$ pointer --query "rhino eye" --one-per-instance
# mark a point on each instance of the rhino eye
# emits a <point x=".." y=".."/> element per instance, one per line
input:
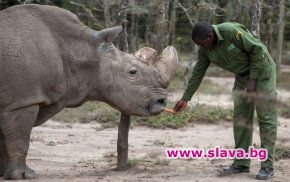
<point x="133" y="71"/>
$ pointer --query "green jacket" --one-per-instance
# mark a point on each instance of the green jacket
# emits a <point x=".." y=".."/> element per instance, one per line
<point x="237" y="51"/>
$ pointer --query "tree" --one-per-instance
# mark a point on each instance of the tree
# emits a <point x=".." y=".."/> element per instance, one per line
<point x="268" y="23"/>
<point x="172" y="23"/>
<point x="160" y="26"/>
<point x="281" y="23"/>
<point x="238" y="10"/>
<point x="107" y="14"/>
<point x="256" y="17"/>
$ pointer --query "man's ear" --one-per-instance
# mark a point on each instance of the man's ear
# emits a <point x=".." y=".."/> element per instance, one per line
<point x="209" y="36"/>
<point x="107" y="35"/>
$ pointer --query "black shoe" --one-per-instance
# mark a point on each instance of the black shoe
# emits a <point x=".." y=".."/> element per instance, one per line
<point x="265" y="173"/>
<point x="234" y="169"/>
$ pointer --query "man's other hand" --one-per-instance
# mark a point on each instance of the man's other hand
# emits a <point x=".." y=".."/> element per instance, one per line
<point x="180" y="105"/>
<point x="250" y="89"/>
<point x="251" y="85"/>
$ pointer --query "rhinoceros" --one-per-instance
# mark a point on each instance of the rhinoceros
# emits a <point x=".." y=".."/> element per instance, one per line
<point x="49" y="60"/>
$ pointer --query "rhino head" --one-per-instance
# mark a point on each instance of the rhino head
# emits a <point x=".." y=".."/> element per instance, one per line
<point x="134" y="84"/>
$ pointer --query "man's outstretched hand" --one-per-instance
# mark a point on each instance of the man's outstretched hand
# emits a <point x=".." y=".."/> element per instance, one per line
<point x="180" y="105"/>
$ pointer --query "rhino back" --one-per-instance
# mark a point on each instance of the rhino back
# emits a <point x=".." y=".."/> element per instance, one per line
<point x="30" y="57"/>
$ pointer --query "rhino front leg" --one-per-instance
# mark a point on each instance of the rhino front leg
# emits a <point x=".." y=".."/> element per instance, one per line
<point x="16" y="127"/>
<point x="3" y="154"/>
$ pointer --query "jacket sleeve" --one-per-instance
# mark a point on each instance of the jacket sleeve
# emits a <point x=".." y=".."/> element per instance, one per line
<point x="253" y="46"/>
<point x="196" y="76"/>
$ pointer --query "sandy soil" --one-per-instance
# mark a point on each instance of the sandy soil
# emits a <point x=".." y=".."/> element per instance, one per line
<point x="83" y="152"/>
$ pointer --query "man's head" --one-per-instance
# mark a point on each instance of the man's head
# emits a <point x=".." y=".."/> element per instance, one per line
<point x="203" y="34"/>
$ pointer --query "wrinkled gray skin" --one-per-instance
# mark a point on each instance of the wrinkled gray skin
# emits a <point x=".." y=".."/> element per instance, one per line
<point x="49" y="60"/>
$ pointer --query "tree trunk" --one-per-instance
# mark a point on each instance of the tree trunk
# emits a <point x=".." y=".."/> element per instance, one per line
<point x="123" y="131"/>
<point x="280" y="33"/>
<point x="133" y="32"/>
<point x="256" y="17"/>
<point x="160" y="26"/>
<point x="239" y="11"/>
<point x="172" y="23"/>
<point x="193" y="19"/>
<point x="107" y="13"/>
<point x="122" y="42"/>
<point x="147" y="31"/>
<point x="269" y="25"/>
<point x="136" y="33"/>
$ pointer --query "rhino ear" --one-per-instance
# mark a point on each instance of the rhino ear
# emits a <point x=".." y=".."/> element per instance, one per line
<point x="107" y="35"/>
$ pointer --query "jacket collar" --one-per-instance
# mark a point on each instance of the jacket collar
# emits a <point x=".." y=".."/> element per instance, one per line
<point x="217" y="32"/>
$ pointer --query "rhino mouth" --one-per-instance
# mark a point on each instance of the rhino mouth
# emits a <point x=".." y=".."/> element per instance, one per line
<point x="157" y="106"/>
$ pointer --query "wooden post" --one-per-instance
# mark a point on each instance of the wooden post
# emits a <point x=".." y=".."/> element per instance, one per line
<point x="122" y="143"/>
<point x="123" y="131"/>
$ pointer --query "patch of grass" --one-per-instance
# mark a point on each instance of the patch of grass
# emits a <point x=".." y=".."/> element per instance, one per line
<point x="134" y="162"/>
<point x="162" y="121"/>
<point x="90" y="111"/>
<point x="51" y="143"/>
<point x="211" y="114"/>
<point x="162" y="162"/>
<point x="109" y="117"/>
<point x="158" y="142"/>
<point x="199" y="114"/>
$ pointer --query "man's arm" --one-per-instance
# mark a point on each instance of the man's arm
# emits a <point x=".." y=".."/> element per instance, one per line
<point x="196" y="76"/>
<point x="194" y="81"/>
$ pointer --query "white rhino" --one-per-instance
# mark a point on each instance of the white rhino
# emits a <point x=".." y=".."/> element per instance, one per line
<point x="49" y="60"/>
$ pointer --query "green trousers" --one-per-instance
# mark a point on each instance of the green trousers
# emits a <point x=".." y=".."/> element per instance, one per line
<point x="265" y="104"/>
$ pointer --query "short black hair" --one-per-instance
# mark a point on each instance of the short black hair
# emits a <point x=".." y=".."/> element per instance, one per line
<point x="201" y="30"/>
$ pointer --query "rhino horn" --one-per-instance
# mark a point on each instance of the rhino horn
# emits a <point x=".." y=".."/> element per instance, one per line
<point x="107" y="35"/>
<point x="165" y="63"/>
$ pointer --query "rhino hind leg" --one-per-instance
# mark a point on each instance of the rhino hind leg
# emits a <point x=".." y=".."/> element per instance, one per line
<point x="16" y="127"/>
<point x="3" y="154"/>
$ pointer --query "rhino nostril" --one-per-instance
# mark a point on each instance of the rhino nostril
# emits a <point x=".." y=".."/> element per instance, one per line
<point x="157" y="106"/>
<point x="161" y="101"/>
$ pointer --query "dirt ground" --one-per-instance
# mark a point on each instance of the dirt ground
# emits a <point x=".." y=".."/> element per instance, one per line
<point x="83" y="152"/>
<point x="86" y="152"/>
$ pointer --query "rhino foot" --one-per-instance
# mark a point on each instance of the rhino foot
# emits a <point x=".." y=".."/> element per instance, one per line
<point x="30" y="173"/>
<point x="20" y="174"/>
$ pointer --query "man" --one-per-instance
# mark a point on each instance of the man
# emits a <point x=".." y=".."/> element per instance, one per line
<point x="232" y="47"/>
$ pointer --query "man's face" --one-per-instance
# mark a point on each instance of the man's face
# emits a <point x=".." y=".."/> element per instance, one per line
<point x="205" y="43"/>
